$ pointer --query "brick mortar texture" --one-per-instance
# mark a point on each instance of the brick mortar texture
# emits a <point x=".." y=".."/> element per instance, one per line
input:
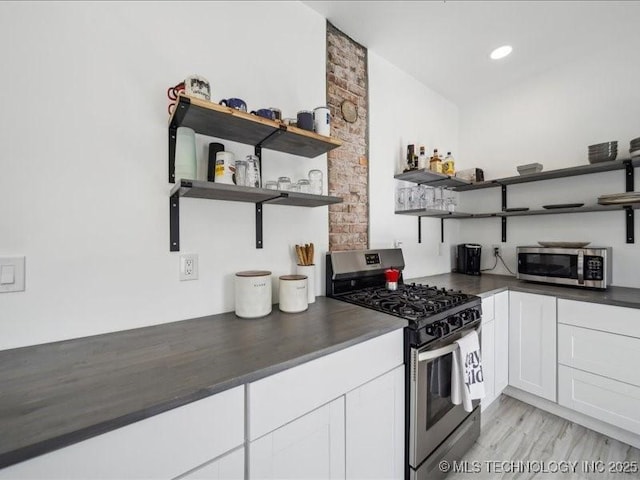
<point x="348" y="166"/>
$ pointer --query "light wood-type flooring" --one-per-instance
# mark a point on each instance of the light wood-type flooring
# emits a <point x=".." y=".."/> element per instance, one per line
<point x="517" y="433"/>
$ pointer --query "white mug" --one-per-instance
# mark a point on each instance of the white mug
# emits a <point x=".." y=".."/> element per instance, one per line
<point x="322" y="121"/>
<point x="197" y="86"/>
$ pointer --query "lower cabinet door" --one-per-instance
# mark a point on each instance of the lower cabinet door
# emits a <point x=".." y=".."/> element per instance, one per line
<point x="310" y="447"/>
<point x="488" y="350"/>
<point x="375" y="428"/>
<point x="600" y="397"/>
<point x="227" y="467"/>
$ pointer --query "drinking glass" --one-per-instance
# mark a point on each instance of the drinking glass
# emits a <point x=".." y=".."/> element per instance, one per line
<point x="402" y="199"/>
<point x="315" y="181"/>
<point x="241" y="173"/>
<point x="438" y="202"/>
<point x="271" y="185"/>
<point x="304" y="185"/>
<point x="284" y="183"/>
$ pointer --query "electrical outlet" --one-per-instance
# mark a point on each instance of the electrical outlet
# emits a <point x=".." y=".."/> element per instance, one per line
<point x="189" y="266"/>
<point x="496" y="251"/>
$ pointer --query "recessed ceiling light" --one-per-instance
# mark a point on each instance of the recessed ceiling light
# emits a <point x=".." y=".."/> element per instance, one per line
<point x="501" y="52"/>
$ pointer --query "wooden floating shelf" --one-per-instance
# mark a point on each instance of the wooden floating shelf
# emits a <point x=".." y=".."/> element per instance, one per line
<point x="234" y="193"/>
<point x="211" y="119"/>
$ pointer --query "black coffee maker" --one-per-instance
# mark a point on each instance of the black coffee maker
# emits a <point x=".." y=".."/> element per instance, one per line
<point x="469" y="258"/>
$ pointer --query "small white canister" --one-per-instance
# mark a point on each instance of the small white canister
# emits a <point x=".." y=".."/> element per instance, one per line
<point x="253" y="293"/>
<point x="310" y="272"/>
<point x="293" y="293"/>
<point x="322" y="121"/>
<point x="225" y="167"/>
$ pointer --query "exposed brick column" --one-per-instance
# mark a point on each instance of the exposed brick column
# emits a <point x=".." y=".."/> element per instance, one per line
<point x="348" y="169"/>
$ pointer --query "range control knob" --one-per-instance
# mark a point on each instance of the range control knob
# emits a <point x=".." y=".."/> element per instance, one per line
<point x="455" y="321"/>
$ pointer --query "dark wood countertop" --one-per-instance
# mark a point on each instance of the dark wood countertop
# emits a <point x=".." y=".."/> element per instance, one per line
<point x="56" y="394"/>
<point x="487" y="284"/>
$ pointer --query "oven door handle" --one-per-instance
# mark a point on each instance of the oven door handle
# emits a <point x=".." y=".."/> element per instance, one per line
<point x="440" y="352"/>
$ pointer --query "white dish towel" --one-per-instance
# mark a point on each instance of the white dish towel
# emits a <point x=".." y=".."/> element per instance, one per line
<point x="467" y="380"/>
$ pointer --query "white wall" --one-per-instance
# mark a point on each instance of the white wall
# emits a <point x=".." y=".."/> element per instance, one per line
<point x="404" y="111"/>
<point x="84" y="162"/>
<point x="551" y="119"/>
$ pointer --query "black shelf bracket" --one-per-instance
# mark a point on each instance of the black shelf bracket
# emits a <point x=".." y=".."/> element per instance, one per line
<point x="630" y="181"/>
<point x="419" y="229"/>
<point x="629" y="214"/>
<point x="504" y="208"/>
<point x="174" y="222"/>
<point x="259" y="225"/>
<point x="442" y="230"/>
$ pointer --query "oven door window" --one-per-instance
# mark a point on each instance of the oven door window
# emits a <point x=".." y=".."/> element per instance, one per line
<point x="548" y="265"/>
<point x="438" y="389"/>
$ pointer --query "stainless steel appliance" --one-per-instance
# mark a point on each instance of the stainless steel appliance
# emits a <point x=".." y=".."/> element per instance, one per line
<point x="436" y="429"/>
<point x="469" y="258"/>
<point x="579" y="267"/>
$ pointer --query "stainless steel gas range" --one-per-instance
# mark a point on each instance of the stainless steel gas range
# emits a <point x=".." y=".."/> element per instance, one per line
<point x="436" y="429"/>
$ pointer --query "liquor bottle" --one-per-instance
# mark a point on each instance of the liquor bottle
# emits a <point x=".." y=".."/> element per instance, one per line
<point x="448" y="167"/>
<point x="435" y="164"/>
<point x="422" y="159"/>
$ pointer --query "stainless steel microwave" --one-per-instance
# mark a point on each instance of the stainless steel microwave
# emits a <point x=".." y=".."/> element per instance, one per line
<point x="578" y="267"/>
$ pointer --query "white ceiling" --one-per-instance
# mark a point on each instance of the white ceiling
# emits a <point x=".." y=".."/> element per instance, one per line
<point x="446" y="45"/>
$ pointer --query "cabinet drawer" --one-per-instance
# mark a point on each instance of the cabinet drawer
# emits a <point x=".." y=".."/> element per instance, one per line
<point x="613" y="356"/>
<point x="488" y="310"/>
<point x="280" y="398"/>
<point x="599" y="397"/>
<point x="608" y="318"/>
<point x="161" y="446"/>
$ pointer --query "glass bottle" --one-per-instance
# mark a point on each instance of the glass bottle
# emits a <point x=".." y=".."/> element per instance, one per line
<point x="253" y="171"/>
<point x="435" y="164"/>
<point x="448" y="167"/>
<point x="422" y="159"/>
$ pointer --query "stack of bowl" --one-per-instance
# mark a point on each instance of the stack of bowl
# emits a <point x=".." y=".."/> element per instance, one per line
<point x="634" y="147"/>
<point x="603" y="152"/>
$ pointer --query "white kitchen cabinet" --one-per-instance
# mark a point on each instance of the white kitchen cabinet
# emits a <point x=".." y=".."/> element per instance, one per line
<point x="375" y="428"/>
<point x="290" y="394"/>
<point x="532" y="344"/>
<point x="163" y="446"/>
<point x="487" y="348"/>
<point x="501" y="356"/>
<point x="311" y="447"/>
<point x="227" y="467"/>
<point x="613" y="402"/>
<point x="606" y="354"/>
<point x="495" y="346"/>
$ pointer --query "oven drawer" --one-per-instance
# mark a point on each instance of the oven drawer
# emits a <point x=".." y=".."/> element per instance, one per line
<point x="285" y="396"/>
<point x="608" y="400"/>
<point x="613" y="356"/>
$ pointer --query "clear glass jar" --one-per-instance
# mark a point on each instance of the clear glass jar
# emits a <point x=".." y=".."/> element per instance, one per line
<point x="271" y="185"/>
<point x="315" y="181"/>
<point x="304" y="185"/>
<point x="240" y="175"/>
<point x="284" y="183"/>
<point x="253" y="171"/>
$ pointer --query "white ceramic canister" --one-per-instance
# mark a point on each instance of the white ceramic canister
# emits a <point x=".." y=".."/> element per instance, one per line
<point x="225" y="167"/>
<point x="310" y="272"/>
<point x="293" y="293"/>
<point x="253" y="293"/>
<point x="322" y="121"/>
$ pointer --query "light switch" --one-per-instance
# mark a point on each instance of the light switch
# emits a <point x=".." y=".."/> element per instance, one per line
<point x="12" y="274"/>
<point x="7" y="274"/>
